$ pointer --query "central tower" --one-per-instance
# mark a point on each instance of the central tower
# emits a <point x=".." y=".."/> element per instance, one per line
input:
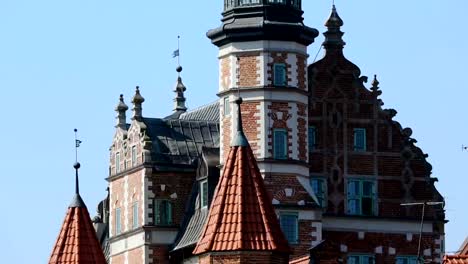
<point x="263" y="57"/>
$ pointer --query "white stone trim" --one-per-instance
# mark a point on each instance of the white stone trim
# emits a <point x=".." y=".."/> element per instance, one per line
<point x="374" y="225"/>
<point x="262" y="46"/>
<point x="127" y="244"/>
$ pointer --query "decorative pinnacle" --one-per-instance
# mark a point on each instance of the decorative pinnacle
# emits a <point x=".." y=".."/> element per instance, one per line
<point x="240" y="140"/>
<point x="334" y="21"/>
<point x="121" y="106"/>
<point x="138" y="99"/>
<point x="333" y="36"/>
<point x="375" y="84"/>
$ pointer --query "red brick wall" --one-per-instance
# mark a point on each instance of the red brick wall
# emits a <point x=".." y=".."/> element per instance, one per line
<point x="280" y="122"/>
<point x="248" y="67"/>
<point x="160" y="255"/>
<point x="301" y="71"/>
<point x="250" y="117"/>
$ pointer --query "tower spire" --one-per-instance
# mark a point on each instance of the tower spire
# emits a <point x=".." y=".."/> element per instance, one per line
<point x="77" y="201"/>
<point x="240" y="140"/>
<point x="334" y="35"/>
<point x="179" y="100"/>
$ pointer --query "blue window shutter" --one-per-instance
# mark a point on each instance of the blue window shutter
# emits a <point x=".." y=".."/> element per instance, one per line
<point x="312" y="140"/>
<point x="279" y="72"/>
<point x="280" y="143"/>
<point x="359" y="139"/>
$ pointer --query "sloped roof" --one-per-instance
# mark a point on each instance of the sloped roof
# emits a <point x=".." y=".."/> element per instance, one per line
<point x="177" y="141"/>
<point x="241" y="215"/>
<point x="456" y="259"/>
<point x="77" y="241"/>
<point x="209" y="112"/>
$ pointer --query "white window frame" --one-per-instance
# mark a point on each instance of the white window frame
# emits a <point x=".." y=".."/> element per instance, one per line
<point x="135" y="215"/>
<point x="118" y="221"/>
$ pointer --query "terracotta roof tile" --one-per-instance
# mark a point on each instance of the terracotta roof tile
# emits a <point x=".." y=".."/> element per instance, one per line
<point x="77" y="241"/>
<point x="301" y="260"/>
<point x="241" y="216"/>
<point x="456" y="259"/>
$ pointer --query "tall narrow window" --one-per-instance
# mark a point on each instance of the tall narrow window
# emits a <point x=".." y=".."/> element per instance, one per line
<point x="118" y="223"/>
<point x="361" y="197"/>
<point x="289" y="225"/>
<point x="406" y="260"/>
<point x="361" y="259"/>
<point x="163" y="212"/>
<point x="135" y="215"/>
<point x="134" y="156"/>
<point x="279" y="74"/>
<point x="319" y="186"/>
<point x="227" y="106"/>
<point x="117" y="162"/>
<point x="359" y="139"/>
<point x="204" y="194"/>
<point x="312" y="138"/>
<point x="280" y="144"/>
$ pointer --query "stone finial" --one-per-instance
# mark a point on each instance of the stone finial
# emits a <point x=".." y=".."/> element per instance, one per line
<point x="121" y="110"/>
<point x="137" y="104"/>
<point x="375" y="84"/>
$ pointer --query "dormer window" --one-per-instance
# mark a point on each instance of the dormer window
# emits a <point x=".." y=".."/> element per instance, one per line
<point x="204" y="194"/>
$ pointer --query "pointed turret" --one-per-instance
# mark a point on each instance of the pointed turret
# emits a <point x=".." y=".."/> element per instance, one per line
<point x="77" y="242"/>
<point x="121" y="110"/>
<point x="242" y="219"/>
<point x="137" y="104"/>
<point x="334" y="35"/>
<point x="179" y="100"/>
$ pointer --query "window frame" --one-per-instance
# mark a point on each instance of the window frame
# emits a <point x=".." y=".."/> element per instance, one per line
<point x="323" y="197"/>
<point x="117" y="162"/>
<point x="157" y="216"/>
<point x="358" y="197"/>
<point x="312" y="136"/>
<point x="284" y="74"/>
<point x="356" y="146"/>
<point x="134" y="156"/>
<point x="118" y="221"/>
<point x="285" y="144"/>
<point x="204" y="194"/>
<point x="295" y="215"/>
<point x="360" y="258"/>
<point x="227" y="106"/>
<point x="135" y="222"/>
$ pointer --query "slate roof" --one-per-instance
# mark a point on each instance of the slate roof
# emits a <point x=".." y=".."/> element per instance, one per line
<point x="77" y="241"/>
<point x="209" y="112"/>
<point x="241" y="216"/>
<point x="456" y="259"/>
<point x="179" y="141"/>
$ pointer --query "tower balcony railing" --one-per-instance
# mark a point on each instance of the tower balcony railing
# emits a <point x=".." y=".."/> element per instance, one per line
<point x="230" y="4"/>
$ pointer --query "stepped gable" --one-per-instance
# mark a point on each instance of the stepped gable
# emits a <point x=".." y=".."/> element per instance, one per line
<point x="77" y="241"/>
<point x="241" y="216"/>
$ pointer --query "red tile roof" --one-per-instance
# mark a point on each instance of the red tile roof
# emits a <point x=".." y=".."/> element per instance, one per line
<point x="77" y="241"/>
<point x="456" y="259"/>
<point x="241" y="215"/>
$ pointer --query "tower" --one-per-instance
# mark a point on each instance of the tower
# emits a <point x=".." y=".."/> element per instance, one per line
<point x="263" y="57"/>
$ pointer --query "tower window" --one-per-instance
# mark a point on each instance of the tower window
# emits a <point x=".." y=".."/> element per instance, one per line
<point x="406" y="260"/>
<point x="359" y="139"/>
<point x="280" y="144"/>
<point x="289" y="225"/>
<point x="134" y="156"/>
<point x="319" y="186"/>
<point x="227" y="106"/>
<point x="361" y="259"/>
<point x="361" y="197"/>
<point x="279" y="74"/>
<point x="117" y="162"/>
<point x="312" y="138"/>
<point x="163" y="212"/>
<point x="135" y="215"/>
<point x="204" y="194"/>
<point x="118" y="223"/>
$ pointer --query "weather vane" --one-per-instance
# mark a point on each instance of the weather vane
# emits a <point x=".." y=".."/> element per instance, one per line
<point x="77" y="144"/>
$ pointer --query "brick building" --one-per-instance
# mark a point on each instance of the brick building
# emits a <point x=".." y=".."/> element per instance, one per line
<point x="336" y="165"/>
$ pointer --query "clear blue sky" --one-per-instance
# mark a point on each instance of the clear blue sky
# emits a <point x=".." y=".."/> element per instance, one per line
<point x="63" y="65"/>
